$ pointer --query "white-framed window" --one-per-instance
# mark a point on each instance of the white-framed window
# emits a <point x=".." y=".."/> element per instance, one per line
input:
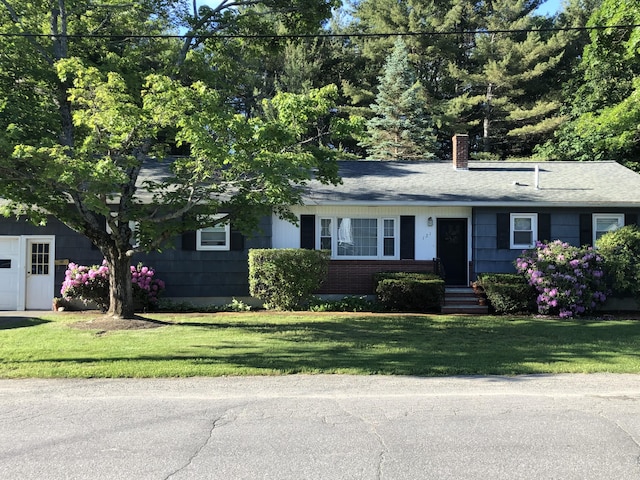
<point x="523" y="230"/>
<point x="215" y="237"/>
<point x="606" y="222"/>
<point x="325" y="234"/>
<point x="359" y="237"/>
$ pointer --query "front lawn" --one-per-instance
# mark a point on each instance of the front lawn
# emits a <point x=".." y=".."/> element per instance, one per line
<point x="270" y="343"/>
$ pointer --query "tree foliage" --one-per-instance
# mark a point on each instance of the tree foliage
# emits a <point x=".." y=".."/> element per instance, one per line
<point x="88" y="122"/>
<point x="604" y="114"/>
<point x="401" y="129"/>
<point x="493" y="70"/>
<point x="621" y="252"/>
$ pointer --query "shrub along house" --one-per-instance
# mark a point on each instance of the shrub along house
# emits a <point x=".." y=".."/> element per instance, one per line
<point x="460" y="218"/>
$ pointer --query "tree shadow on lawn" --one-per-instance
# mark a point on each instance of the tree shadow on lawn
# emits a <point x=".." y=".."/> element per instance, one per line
<point x="418" y="346"/>
<point x="410" y="345"/>
<point x="8" y="323"/>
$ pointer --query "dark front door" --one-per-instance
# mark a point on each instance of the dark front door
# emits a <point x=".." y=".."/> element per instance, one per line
<point x="452" y="250"/>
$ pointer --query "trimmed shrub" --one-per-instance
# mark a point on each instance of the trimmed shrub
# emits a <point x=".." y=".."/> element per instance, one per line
<point x="345" y="304"/>
<point x="285" y="279"/>
<point x="621" y="252"/>
<point x="409" y="291"/>
<point x="508" y="293"/>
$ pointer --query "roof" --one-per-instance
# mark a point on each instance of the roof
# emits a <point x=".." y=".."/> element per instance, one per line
<point x="501" y="183"/>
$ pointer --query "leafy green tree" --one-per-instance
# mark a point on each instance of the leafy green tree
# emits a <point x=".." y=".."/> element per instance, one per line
<point x="301" y="66"/>
<point x="216" y="44"/>
<point x="86" y="123"/>
<point x="605" y="113"/>
<point x="401" y="129"/>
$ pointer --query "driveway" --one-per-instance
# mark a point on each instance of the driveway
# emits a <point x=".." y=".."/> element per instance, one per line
<point x="322" y="427"/>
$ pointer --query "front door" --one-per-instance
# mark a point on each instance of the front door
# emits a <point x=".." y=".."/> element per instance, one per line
<point x="40" y="273"/>
<point x="452" y="250"/>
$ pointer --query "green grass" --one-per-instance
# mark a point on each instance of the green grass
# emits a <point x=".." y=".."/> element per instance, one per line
<point x="264" y="343"/>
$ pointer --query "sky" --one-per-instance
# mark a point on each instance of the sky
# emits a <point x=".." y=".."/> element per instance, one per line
<point x="550" y="7"/>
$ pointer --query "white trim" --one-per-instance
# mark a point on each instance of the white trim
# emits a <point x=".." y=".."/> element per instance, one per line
<point x="379" y="236"/>
<point x="619" y="217"/>
<point x="534" y="230"/>
<point x="227" y="234"/>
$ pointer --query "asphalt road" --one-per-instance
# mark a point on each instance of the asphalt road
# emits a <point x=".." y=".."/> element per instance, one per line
<point x="322" y="427"/>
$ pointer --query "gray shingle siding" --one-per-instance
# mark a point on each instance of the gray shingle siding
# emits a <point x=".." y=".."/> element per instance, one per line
<point x="565" y="226"/>
<point x="186" y="273"/>
<point x="486" y="257"/>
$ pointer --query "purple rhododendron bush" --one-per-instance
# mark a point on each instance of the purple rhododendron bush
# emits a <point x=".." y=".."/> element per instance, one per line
<point x="569" y="280"/>
<point x="91" y="284"/>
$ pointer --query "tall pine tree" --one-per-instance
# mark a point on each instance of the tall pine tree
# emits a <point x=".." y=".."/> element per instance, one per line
<point x="401" y="129"/>
<point x="507" y="100"/>
<point x="493" y="69"/>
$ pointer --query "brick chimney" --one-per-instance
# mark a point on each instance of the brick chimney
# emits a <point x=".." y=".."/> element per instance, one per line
<point x="461" y="151"/>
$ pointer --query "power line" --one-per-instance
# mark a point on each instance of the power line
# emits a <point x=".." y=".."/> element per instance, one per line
<point x="321" y="35"/>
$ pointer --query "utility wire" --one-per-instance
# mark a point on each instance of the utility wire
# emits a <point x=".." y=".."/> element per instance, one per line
<point x="324" y="35"/>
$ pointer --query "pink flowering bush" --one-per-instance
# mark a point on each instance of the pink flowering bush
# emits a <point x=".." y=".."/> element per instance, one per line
<point x="91" y="284"/>
<point x="146" y="288"/>
<point x="569" y="280"/>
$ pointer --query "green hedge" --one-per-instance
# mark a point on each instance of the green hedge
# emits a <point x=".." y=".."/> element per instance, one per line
<point x="285" y="279"/>
<point x="621" y="252"/>
<point x="409" y="291"/>
<point x="508" y="293"/>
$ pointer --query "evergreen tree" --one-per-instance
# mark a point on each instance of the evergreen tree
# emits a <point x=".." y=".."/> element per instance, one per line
<point x="503" y="88"/>
<point x="401" y="129"/>
<point x="301" y="66"/>
<point x="507" y="99"/>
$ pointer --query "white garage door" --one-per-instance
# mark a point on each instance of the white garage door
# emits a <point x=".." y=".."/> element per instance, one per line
<point x="9" y="272"/>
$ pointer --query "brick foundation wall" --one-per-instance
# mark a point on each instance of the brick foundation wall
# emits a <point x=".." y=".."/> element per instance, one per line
<point x="355" y="277"/>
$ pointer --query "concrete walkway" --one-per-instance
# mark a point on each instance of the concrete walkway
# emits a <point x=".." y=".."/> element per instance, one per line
<point x="322" y="427"/>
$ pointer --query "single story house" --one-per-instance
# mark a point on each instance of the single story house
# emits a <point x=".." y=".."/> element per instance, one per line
<point x="458" y="218"/>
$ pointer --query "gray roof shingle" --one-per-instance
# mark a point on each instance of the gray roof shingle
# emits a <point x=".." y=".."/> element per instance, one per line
<point x="577" y="184"/>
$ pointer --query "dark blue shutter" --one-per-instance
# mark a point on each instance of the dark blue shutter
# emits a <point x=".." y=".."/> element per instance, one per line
<point x="189" y="240"/>
<point x="631" y="219"/>
<point x="502" y="231"/>
<point x="586" y="229"/>
<point x="407" y="237"/>
<point x="236" y="240"/>
<point x="308" y="232"/>
<point x="544" y="227"/>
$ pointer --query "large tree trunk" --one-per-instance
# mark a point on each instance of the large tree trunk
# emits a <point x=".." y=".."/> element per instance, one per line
<point x="120" y="289"/>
